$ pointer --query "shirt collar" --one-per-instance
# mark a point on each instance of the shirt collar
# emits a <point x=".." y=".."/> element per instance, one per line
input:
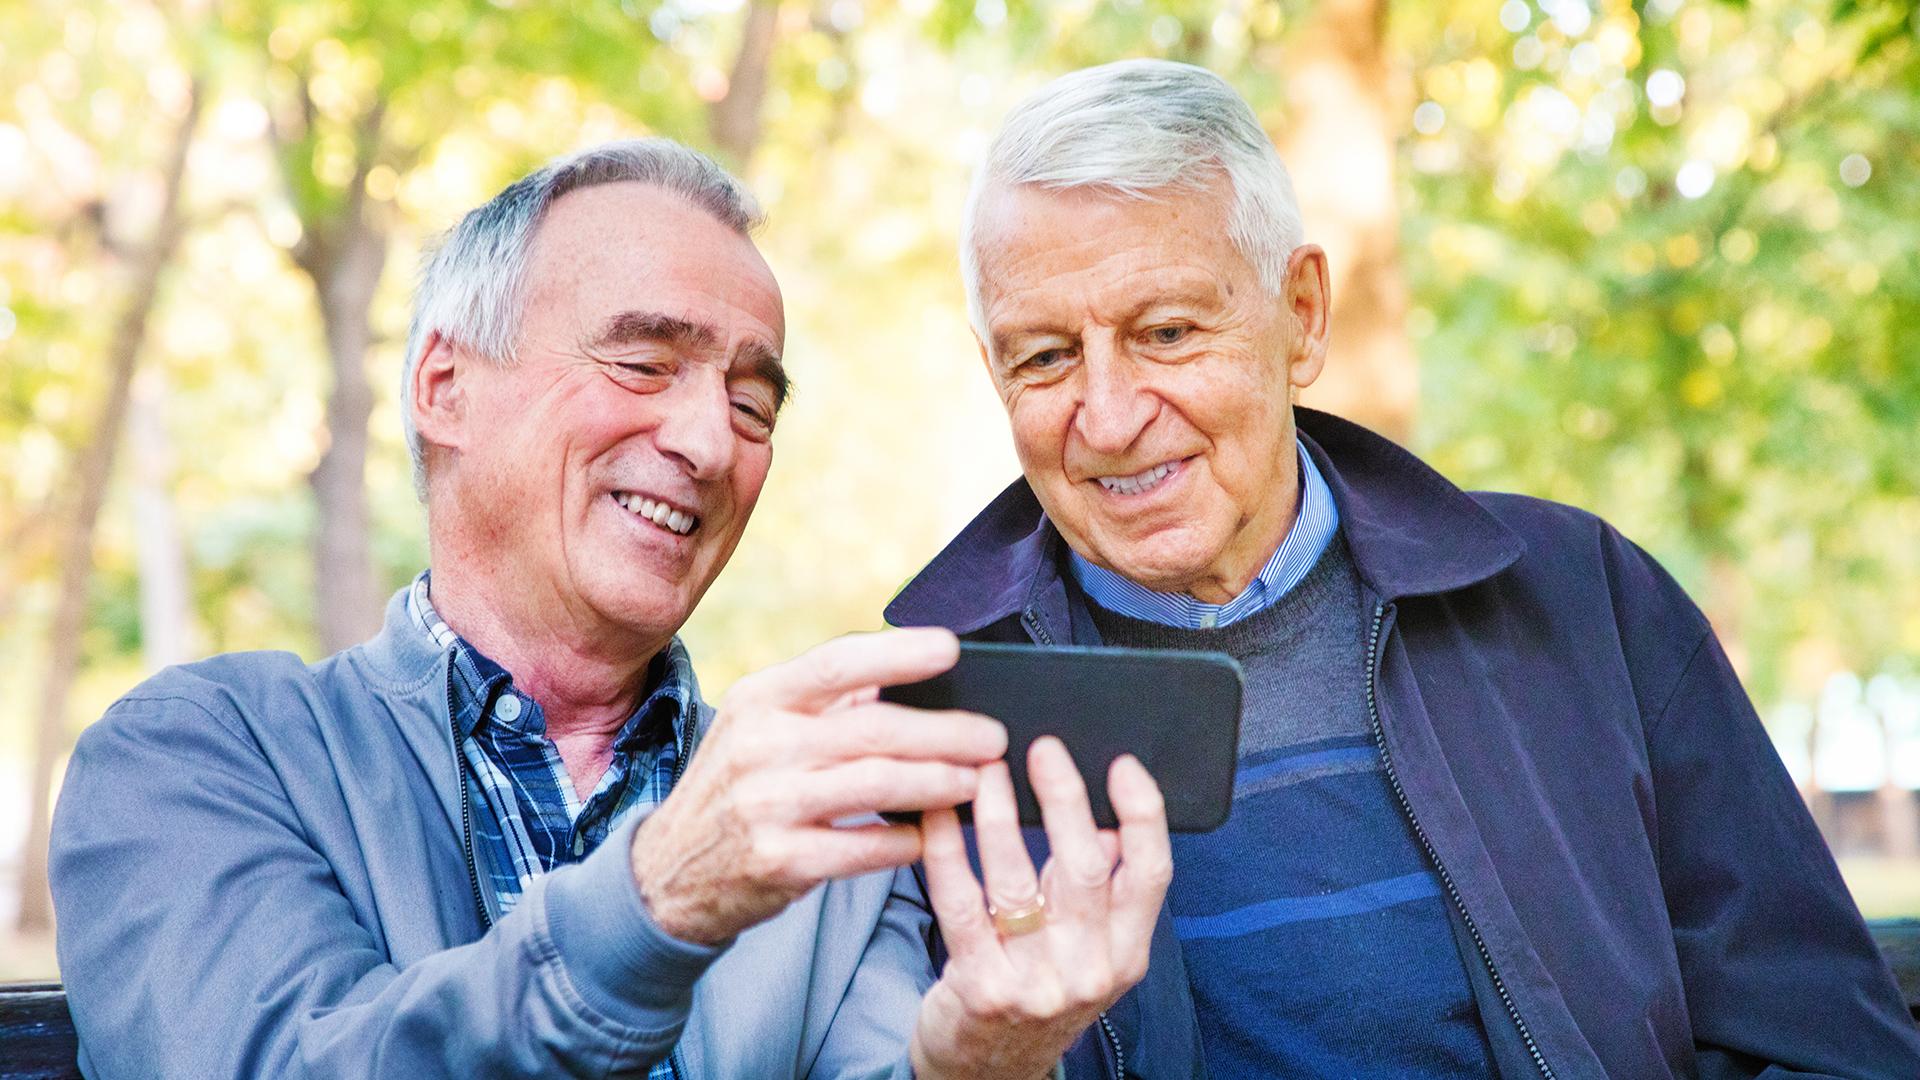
<point x="1314" y="525"/>
<point x="482" y="688"/>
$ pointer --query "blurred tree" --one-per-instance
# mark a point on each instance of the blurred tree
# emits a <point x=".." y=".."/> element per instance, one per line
<point x="1346" y="107"/>
<point x="1664" y="266"/>
<point x="734" y="120"/>
<point x="88" y="484"/>
<point x="166" y="616"/>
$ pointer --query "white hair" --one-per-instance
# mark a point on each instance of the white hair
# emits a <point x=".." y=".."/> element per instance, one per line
<point x="1137" y="128"/>
<point x="472" y="287"/>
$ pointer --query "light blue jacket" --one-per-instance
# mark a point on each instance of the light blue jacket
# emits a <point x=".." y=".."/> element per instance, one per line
<point x="258" y="869"/>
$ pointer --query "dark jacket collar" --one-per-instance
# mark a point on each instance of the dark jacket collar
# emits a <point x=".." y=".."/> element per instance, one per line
<point x="1411" y="532"/>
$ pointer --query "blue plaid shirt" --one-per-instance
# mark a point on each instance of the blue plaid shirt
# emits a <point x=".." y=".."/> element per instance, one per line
<point x="527" y="817"/>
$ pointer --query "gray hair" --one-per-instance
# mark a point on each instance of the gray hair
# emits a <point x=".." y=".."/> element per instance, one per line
<point x="1135" y="127"/>
<point x="472" y="287"/>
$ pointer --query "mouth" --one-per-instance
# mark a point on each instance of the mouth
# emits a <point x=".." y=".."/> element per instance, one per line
<point x="658" y="512"/>
<point x="1144" y="481"/>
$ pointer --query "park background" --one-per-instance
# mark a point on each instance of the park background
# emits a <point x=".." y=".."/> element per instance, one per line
<point x="1656" y="259"/>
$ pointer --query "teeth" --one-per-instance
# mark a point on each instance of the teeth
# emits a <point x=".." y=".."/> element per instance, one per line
<point x="1138" y="482"/>
<point x="659" y="513"/>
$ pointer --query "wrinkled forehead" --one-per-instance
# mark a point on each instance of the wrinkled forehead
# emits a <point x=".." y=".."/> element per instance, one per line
<point x="633" y="247"/>
<point x="1039" y="246"/>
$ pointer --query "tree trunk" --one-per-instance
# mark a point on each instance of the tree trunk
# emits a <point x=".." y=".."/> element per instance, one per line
<point x="347" y="599"/>
<point x="734" y="121"/>
<point x="166" y="621"/>
<point x="344" y="255"/>
<point x="1345" y="104"/>
<point x="92" y="472"/>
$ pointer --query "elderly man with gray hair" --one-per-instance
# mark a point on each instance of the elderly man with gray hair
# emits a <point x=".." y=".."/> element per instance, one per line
<point x="506" y="837"/>
<point x="1502" y="807"/>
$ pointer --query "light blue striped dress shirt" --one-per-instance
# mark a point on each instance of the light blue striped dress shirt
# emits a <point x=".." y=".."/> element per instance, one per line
<point x="1313" y="526"/>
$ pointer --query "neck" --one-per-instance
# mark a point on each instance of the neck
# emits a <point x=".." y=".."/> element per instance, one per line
<point x="588" y="677"/>
<point x="1251" y="550"/>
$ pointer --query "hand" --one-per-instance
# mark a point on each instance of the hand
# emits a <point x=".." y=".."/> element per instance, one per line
<point x="793" y="749"/>
<point x="1011" y="1005"/>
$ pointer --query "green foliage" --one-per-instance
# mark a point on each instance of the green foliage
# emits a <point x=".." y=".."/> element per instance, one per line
<point x="1665" y="272"/>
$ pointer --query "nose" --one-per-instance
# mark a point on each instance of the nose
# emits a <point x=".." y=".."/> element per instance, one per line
<point x="1114" y="406"/>
<point x="696" y="428"/>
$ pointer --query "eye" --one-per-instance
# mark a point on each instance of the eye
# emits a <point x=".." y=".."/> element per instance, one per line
<point x="639" y="376"/>
<point x="756" y="420"/>
<point x="1168" y="335"/>
<point x="1046" y="359"/>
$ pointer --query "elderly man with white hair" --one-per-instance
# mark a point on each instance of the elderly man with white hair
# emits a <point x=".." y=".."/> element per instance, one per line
<point x="1502" y="807"/>
<point x="506" y="837"/>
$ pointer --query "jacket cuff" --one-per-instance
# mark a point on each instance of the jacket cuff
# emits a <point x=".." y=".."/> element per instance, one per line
<point x="622" y="963"/>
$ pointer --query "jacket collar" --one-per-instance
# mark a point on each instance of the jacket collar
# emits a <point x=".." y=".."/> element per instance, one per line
<point x="410" y="671"/>
<point x="406" y="672"/>
<point x="1411" y="532"/>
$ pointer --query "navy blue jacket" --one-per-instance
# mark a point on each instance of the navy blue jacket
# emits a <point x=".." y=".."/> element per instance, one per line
<point x="1635" y="883"/>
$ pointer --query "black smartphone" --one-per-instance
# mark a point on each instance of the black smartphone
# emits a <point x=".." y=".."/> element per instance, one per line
<point x="1178" y="712"/>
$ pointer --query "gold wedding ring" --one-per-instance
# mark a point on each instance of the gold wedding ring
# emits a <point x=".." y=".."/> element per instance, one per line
<point x="1021" y="920"/>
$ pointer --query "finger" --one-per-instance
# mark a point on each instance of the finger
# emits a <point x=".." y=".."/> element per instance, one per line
<point x="1081" y="869"/>
<point x="857" y="697"/>
<point x="1078" y="878"/>
<point x="822" y="853"/>
<point x="1146" y="860"/>
<point x="831" y="670"/>
<point x="1110" y="845"/>
<point x="1005" y="867"/>
<point x="952" y="889"/>
<point x="883" y="729"/>
<point x="868" y="785"/>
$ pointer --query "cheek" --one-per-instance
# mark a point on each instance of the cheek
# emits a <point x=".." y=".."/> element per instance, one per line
<point x="1039" y="421"/>
<point x="750" y="470"/>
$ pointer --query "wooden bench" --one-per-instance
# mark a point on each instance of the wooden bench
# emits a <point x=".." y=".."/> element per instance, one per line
<point x="36" y="1033"/>
<point x="37" y="1041"/>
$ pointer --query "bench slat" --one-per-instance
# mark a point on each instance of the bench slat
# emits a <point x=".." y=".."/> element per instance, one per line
<point x="36" y="1033"/>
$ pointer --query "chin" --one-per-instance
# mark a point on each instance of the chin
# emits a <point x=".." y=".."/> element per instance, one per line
<point x="647" y="608"/>
<point x="1165" y="563"/>
<point x="1158" y="571"/>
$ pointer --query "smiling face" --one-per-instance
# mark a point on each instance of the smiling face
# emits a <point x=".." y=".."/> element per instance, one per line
<point x="1147" y="374"/>
<point x="597" y="484"/>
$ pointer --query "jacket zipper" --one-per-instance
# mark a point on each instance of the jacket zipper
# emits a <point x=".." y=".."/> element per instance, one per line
<point x="1420" y="832"/>
<point x="1039" y="634"/>
<point x="1113" y="1040"/>
<point x="466" y="812"/>
<point x="688" y="739"/>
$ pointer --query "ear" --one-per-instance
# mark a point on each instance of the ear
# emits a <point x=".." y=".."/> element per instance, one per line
<point x="435" y="395"/>
<point x="1309" y="302"/>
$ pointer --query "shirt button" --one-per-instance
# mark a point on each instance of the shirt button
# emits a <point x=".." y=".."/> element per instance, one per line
<point x="507" y="708"/>
<point x="579" y="844"/>
<point x="1210" y="620"/>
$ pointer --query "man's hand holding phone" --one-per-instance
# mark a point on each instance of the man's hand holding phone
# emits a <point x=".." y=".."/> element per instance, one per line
<point x="1035" y="957"/>
<point x="760" y="817"/>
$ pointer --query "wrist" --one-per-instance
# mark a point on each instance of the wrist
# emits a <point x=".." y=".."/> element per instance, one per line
<point x="654" y="878"/>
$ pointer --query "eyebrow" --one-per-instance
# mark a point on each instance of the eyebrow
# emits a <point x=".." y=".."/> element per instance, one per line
<point x="755" y="359"/>
<point x="629" y="327"/>
<point x="763" y="363"/>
